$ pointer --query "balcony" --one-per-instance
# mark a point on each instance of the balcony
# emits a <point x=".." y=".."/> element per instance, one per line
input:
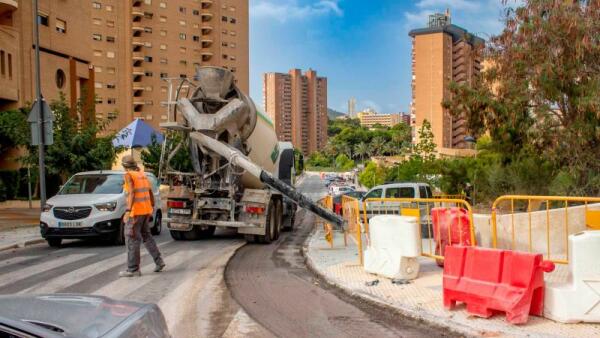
<point x="9" y="40"/>
<point x="206" y="43"/>
<point x="138" y="87"/>
<point x="138" y="71"/>
<point x="206" y="17"/>
<point x="137" y="14"/>
<point x="137" y="28"/>
<point x="137" y="42"/>
<point x="206" y="3"/>
<point x="206" y="56"/>
<point x="8" y="6"/>
<point x="206" y="30"/>
<point x="138" y="103"/>
<point x="137" y="56"/>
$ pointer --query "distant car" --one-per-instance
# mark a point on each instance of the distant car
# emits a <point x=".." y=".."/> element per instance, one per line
<point x="338" y="189"/>
<point x="84" y="316"/>
<point x="337" y="200"/>
<point x="92" y="204"/>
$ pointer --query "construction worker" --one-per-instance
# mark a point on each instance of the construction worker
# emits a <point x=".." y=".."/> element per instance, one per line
<point x="140" y="204"/>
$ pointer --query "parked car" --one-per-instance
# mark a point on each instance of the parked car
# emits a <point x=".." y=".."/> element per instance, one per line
<point x="337" y="200"/>
<point x="338" y="189"/>
<point x="85" y="316"/>
<point x="92" y="204"/>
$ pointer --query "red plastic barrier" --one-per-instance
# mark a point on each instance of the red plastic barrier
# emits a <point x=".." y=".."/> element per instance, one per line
<point x="451" y="226"/>
<point x="489" y="280"/>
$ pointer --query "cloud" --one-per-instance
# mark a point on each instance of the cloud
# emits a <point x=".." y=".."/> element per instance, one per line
<point x="284" y="10"/>
<point x="364" y="104"/>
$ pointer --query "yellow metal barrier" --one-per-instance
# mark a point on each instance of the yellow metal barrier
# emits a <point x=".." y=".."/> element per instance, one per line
<point x="421" y="209"/>
<point x="326" y="202"/>
<point x="351" y="216"/>
<point x="456" y="196"/>
<point x="550" y="220"/>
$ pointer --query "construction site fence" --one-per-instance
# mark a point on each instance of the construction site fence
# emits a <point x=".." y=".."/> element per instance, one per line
<point x="326" y="202"/>
<point x="542" y="224"/>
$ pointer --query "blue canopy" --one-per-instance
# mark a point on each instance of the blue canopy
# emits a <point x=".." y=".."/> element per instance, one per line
<point x="137" y="134"/>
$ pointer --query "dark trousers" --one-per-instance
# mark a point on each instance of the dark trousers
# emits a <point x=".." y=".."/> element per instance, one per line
<point x="137" y="230"/>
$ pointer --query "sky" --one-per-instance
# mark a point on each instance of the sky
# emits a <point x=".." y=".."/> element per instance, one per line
<point x="361" y="46"/>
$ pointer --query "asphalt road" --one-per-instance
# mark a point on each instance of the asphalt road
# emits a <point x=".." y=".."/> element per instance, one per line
<point x="272" y="284"/>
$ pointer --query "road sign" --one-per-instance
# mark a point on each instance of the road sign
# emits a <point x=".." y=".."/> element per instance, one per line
<point x="33" y="120"/>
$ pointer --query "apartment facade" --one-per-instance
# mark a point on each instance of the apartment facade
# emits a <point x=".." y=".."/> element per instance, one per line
<point x="297" y="105"/>
<point x="118" y="52"/>
<point x="369" y="118"/>
<point x="67" y="67"/>
<point x="441" y="53"/>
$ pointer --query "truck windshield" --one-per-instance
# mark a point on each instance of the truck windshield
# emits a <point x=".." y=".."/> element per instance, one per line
<point x="93" y="184"/>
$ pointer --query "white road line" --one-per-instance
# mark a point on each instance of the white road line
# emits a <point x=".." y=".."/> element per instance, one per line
<point x="78" y="275"/>
<point x="15" y="260"/>
<point x="43" y="266"/>
<point x="121" y="287"/>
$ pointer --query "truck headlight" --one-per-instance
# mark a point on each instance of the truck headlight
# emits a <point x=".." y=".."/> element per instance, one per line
<point x="47" y="207"/>
<point x="109" y="206"/>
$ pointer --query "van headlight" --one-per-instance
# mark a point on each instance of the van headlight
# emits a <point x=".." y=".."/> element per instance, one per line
<point x="47" y="207"/>
<point x="109" y="206"/>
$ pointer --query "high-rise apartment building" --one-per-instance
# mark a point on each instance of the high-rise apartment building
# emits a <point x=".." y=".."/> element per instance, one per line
<point x="119" y="51"/>
<point x="297" y="105"/>
<point x="441" y="53"/>
<point x="65" y="53"/>
<point x="352" y="108"/>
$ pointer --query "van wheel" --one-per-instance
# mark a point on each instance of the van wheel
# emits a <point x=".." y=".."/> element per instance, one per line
<point x="157" y="227"/>
<point x="54" y="242"/>
<point x="270" y="224"/>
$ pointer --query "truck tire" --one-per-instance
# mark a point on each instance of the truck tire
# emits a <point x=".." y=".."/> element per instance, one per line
<point x="288" y="221"/>
<point x="270" y="224"/>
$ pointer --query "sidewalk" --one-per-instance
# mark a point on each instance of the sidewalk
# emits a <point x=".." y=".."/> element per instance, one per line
<point x="422" y="298"/>
<point x="19" y="225"/>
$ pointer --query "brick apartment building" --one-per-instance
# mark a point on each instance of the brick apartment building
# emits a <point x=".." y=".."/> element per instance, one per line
<point x="118" y="51"/>
<point x="441" y="53"/>
<point x="297" y="105"/>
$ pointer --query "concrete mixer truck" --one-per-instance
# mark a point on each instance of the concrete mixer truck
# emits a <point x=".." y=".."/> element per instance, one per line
<point x="242" y="175"/>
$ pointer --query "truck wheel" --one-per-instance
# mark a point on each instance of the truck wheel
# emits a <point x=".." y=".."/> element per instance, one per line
<point x="54" y="242"/>
<point x="288" y="221"/>
<point x="157" y="227"/>
<point x="270" y="224"/>
<point x="176" y="235"/>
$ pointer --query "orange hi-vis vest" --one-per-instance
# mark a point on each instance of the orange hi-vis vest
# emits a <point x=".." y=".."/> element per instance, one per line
<point x="137" y="183"/>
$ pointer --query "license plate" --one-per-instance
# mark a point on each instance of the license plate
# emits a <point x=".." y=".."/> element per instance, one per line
<point x="69" y="224"/>
<point x="180" y="211"/>
<point x="178" y="225"/>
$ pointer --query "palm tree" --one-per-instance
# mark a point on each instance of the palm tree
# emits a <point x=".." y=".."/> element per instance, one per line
<point x="362" y="150"/>
<point x="377" y="144"/>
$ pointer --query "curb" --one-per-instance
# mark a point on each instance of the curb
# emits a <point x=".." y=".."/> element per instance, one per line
<point x="421" y="316"/>
<point x="22" y="244"/>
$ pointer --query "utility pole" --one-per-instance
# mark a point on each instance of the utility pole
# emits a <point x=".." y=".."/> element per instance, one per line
<point x="39" y="98"/>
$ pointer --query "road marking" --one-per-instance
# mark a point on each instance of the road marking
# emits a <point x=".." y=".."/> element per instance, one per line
<point x="43" y="266"/>
<point x="121" y="287"/>
<point x="15" y="260"/>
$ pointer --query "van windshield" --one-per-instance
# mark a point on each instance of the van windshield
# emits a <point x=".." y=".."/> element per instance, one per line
<point x="93" y="184"/>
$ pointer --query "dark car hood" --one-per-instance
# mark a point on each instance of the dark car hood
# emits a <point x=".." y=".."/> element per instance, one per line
<point x="78" y="315"/>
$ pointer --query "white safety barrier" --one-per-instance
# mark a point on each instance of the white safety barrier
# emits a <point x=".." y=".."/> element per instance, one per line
<point x="579" y="299"/>
<point x="395" y="244"/>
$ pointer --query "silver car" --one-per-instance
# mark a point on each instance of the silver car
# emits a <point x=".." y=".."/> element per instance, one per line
<point x="81" y="316"/>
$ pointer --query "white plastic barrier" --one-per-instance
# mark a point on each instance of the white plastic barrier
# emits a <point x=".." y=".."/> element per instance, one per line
<point x="579" y="299"/>
<point x="395" y="244"/>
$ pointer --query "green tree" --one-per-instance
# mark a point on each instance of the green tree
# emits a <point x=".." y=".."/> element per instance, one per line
<point x="343" y="162"/>
<point x="372" y="175"/>
<point x="362" y="150"/>
<point x="14" y="130"/>
<point x="425" y="148"/>
<point x="179" y="161"/>
<point x="378" y="145"/>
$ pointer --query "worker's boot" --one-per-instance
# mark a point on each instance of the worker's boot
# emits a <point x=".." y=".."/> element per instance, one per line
<point x="160" y="265"/>
<point x="128" y="273"/>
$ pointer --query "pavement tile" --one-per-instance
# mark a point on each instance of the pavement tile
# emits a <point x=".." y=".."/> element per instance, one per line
<point x="422" y="298"/>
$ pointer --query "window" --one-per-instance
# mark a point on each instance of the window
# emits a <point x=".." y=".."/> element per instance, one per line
<point x="148" y="2"/>
<point x="232" y="20"/>
<point x="98" y="69"/>
<point x="148" y="44"/>
<point x="43" y="19"/>
<point x="181" y="36"/>
<point x="196" y="38"/>
<point x="233" y="69"/>
<point x="183" y="76"/>
<point x="148" y="88"/>
<point x="224" y="43"/>
<point x="163" y="46"/>
<point x="96" y="5"/>
<point x="110" y="23"/>
<point x="148" y="15"/>
<point x="97" y="37"/>
<point x="149" y="74"/>
<point x="401" y="192"/>
<point x="183" y="62"/>
<point x="182" y="49"/>
<point x="149" y="102"/>
<point x="98" y="100"/>
<point x="162" y="5"/>
<point x="10" y="66"/>
<point x="163" y="18"/>
<point x="224" y="31"/>
<point x="2" y="63"/>
<point x="111" y="70"/>
<point x="196" y="25"/>
<point x="232" y="33"/>
<point x="164" y="75"/>
<point x="232" y="57"/>
<point x="109" y="8"/>
<point x="163" y="61"/>
<point x="147" y="29"/>
<point x="163" y="89"/>
<point x="163" y="32"/>
<point x="196" y="12"/>
<point x="110" y="55"/>
<point x="111" y="100"/>
<point x="232" y="45"/>
<point x="423" y="192"/>
<point x="225" y="56"/>
<point x="110" y="39"/>
<point x="224" y="18"/>
<point x="148" y="58"/>
<point x="97" y="21"/>
<point x="97" y="52"/>
<point x="111" y="86"/>
<point x="182" y="22"/>
<point x="232" y="9"/>
<point x="98" y="84"/>
<point x="373" y="194"/>
<point x="182" y="10"/>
